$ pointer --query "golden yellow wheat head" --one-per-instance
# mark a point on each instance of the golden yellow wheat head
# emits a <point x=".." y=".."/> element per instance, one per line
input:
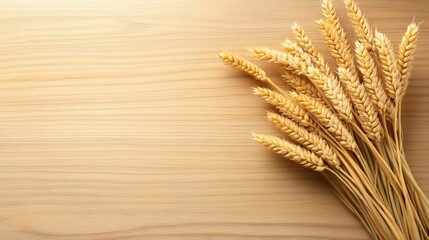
<point x="291" y="151"/>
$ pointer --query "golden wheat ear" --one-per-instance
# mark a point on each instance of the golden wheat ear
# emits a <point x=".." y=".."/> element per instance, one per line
<point x="300" y="83"/>
<point x="364" y="107"/>
<point x="307" y="46"/>
<point x="291" y="151"/>
<point x="333" y="91"/>
<point x="286" y="106"/>
<point x="293" y="63"/>
<point x="389" y="65"/>
<point x="325" y="117"/>
<point x="244" y="65"/>
<point x="360" y="24"/>
<point x="406" y="54"/>
<point x="311" y="141"/>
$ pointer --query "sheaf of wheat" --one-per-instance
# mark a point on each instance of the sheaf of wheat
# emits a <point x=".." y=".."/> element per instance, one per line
<point x="344" y="122"/>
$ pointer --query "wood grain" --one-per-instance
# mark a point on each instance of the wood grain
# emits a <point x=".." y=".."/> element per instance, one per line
<point x="117" y="121"/>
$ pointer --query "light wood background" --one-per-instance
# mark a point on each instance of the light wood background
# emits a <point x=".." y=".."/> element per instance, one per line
<point x="117" y="121"/>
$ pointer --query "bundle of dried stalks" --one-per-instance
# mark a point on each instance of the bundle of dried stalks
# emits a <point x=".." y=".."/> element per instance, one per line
<point x="346" y="124"/>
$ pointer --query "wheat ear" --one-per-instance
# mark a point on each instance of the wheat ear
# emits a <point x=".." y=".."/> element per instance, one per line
<point x="307" y="45"/>
<point x="288" y="61"/>
<point x="291" y="151"/>
<point x="311" y="141"/>
<point x="327" y="119"/>
<point x="360" y="24"/>
<point x="340" y="49"/>
<point x="244" y="65"/>
<point x="364" y="107"/>
<point x="406" y="54"/>
<point x="389" y="65"/>
<point x="302" y="84"/>
<point x="330" y="14"/>
<point x="335" y="38"/>
<point x="329" y="86"/>
<point x="332" y="89"/>
<point x="372" y="82"/>
<point x="286" y="106"/>
<point x="304" y="41"/>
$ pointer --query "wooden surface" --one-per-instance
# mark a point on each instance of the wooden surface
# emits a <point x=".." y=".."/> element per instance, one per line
<point x="117" y="121"/>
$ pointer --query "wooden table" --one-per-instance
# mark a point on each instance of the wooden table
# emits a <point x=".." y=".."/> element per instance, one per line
<point x="117" y="121"/>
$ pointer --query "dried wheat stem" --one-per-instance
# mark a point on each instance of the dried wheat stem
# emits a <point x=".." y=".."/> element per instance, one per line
<point x="328" y="120"/>
<point x="389" y="65"/>
<point x="406" y="54"/>
<point x="286" y="106"/>
<point x="311" y="141"/>
<point x="291" y="151"/>
<point x="360" y="24"/>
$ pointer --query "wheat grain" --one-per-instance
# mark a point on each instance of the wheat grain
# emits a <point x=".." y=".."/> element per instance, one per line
<point x="360" y="24"/>
<point x="327" y="119"/>
<point x="406" y="54"/>
<point x="363" y="105"/>
<point x="244" y="65"/>
<point x="311" y="141"/>
<point x="291" y="151"/>
<point x="389" y="65"/>
<point x="286" y="106"/>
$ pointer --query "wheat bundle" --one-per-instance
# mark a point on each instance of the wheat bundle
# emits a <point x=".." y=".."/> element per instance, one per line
<point x="346" y="123"/>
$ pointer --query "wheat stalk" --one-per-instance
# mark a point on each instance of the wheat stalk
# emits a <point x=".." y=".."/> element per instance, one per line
<point x="360" y="24"/>
<point x="406" y="54"/>
<point x="305" y="42"/>
<point x="244" y="65"/>
<point x="330" y="14"/>
<point x="291" y="151"/>
<point x="389" y="65"/>
<point x="335" y="38"/>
